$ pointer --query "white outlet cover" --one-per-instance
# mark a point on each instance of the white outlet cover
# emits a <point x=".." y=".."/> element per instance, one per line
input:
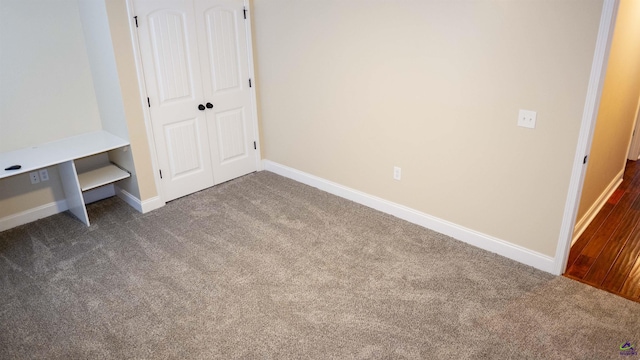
<point x="34" y="177"/>
<point x="44" y="175"/>
<point x="527" y="118"/>
<point x="397" y="173"/>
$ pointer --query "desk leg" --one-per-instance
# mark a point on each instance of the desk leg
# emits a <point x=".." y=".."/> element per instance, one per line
<point x="72" y="191"/>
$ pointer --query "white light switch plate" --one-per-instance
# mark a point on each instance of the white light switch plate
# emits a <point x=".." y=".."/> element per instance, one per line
<point x="397" y="173"/>
<point x="527" y="118"/>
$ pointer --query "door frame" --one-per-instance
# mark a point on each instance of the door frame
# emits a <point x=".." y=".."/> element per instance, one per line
<point x="143" y="95"/>
<point x="142" y="91"/>
<point x="585" y="139"/>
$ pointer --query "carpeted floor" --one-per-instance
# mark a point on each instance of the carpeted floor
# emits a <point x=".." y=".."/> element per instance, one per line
<point x="263" y="267"/>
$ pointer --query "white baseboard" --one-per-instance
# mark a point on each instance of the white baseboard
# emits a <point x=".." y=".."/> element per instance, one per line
<point x="469" y="236"/>
<point x="588" y="217"/>
<point x="152" y="204"/>
<point x="134" y="202"/>
<point x="34" y="214"/>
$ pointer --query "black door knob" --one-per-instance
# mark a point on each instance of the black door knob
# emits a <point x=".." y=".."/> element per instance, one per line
<point x="209" y="105"/>
<point x="201" y="107"/>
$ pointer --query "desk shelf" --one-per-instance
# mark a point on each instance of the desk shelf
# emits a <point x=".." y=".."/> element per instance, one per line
<point x="101" y="176"/>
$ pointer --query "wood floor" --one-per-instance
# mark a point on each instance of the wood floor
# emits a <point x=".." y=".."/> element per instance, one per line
<point x="607" y="254"/>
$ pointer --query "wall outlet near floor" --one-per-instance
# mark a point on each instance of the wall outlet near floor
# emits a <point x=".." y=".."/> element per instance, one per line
<point x="527" y="118"/>
<point x="34" y="177"/>
<point x="44" y="175"/>
<point x="397" y="173"/>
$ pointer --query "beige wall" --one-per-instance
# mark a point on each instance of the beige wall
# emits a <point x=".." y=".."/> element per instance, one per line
<point x="348" y="89"/>
<point x="618" y="106"/>
<point x="17" y="194"/>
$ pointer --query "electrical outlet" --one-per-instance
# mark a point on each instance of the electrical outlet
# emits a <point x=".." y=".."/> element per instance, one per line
<point x="527" y="118"/>
<point x="44" y="175"/>
<point x="397" y="173"/>
<point x="35" y="178"/>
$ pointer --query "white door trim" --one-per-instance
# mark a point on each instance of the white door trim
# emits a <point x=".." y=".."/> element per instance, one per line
<point x="589" y="116"/>
<point x="254" y="103"/>
<point x="143" y="96"/>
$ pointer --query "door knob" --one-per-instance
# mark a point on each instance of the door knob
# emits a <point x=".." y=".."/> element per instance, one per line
<point x="209" y="105"/>
<point x="201" y="107"/>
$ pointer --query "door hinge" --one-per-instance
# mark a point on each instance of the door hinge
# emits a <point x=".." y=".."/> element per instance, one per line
<point x="148" y="102"/>
<point x="160" y="173"/>
<point x="136" y="18"/>
<point x="255" y="147"/>
<point x="249" y="82"/>
<point x="244" y="10"/>
<point x="584" y="161"/>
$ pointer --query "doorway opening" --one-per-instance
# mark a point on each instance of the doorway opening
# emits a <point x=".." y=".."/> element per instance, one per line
<point x="607" y="254"/>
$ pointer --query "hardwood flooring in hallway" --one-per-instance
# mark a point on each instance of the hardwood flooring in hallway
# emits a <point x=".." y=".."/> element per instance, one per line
<point x="607" y="254"/>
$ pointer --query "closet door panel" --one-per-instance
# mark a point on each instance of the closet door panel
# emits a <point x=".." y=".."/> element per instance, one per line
<point x="222" y="45"/>
<point x="171" y="59"/>
<point x="183" y="148"/>
<point x="224" y="58"/>
<point x="173" y="79"/>
<point x="231" y="135"/>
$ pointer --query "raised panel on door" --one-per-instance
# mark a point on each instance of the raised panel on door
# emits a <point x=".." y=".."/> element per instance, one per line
<point x="230" y="128"/>
<point x="182" y="140"/>
<point x="222" y="46"/>
<point x="225" y="63"/>
<point x="171" y="64"/>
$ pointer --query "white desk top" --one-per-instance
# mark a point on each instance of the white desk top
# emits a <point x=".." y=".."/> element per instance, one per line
<point x="59" y="151"/>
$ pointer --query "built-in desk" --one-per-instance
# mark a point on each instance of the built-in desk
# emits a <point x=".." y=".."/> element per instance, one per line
<point x="62" y="153"/>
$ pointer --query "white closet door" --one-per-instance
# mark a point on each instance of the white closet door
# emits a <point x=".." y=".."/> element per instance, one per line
<point x="224" y="62"/>
<point x="169" y="51"/>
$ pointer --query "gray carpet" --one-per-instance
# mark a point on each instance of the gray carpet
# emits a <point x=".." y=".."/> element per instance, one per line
<point x="263" y="267"/>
